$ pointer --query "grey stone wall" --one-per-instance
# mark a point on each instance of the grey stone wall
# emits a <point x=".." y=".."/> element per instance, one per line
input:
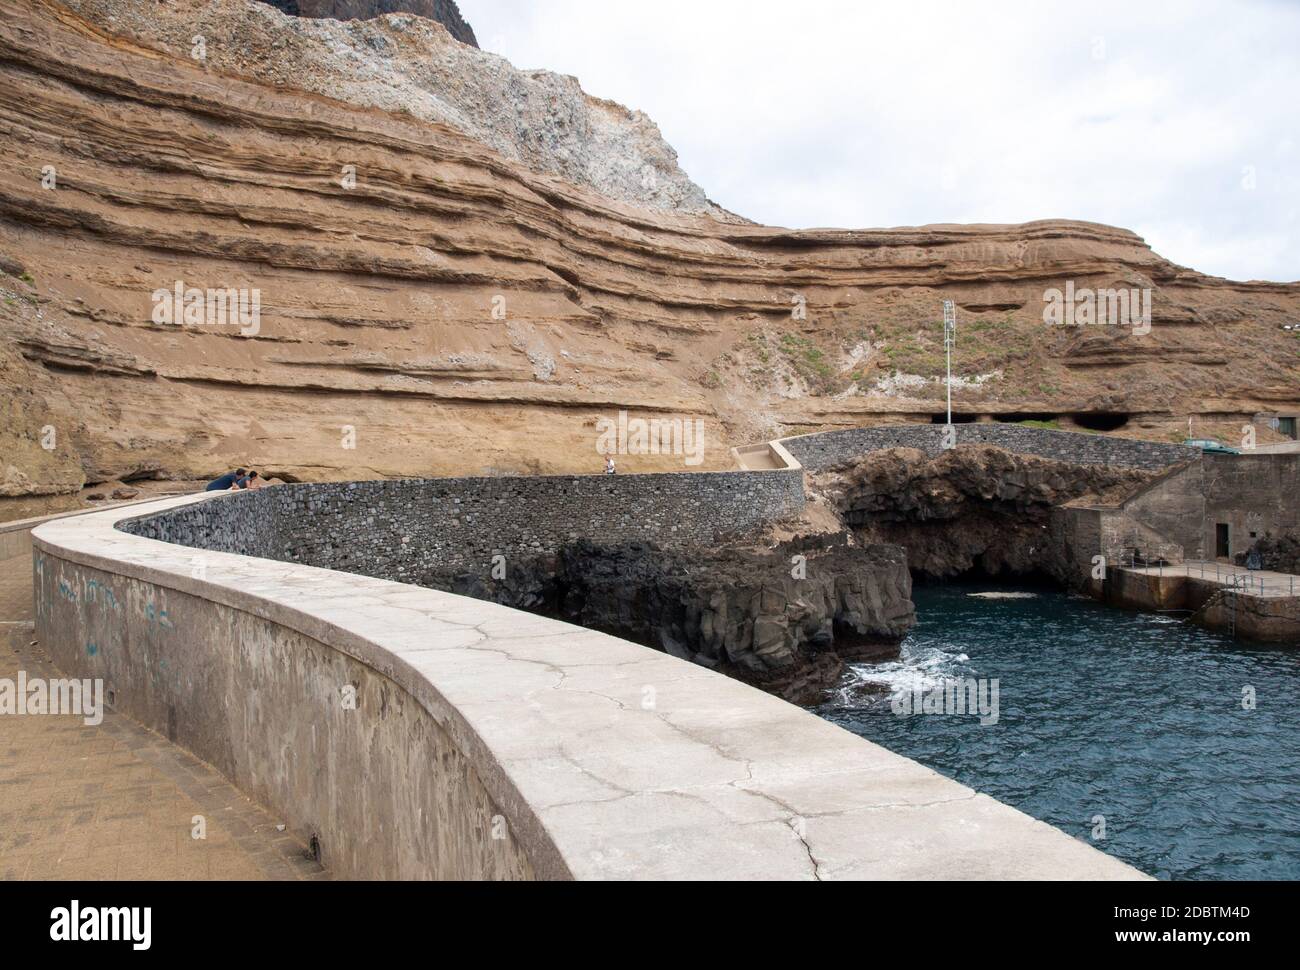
<point x="821" y="451"/>
<point x="382" y="783"/>
<point x="1171" y="509"/>
<point x="401" y="530"/>
<point x="1252" y="494"/>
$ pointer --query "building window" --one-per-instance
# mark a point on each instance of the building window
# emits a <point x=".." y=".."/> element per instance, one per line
<point x="1286" y="426"/>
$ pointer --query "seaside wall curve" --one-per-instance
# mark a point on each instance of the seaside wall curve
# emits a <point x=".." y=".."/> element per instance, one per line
<point x="484" y="743"/>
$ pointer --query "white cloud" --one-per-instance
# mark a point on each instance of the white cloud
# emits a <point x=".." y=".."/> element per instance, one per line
<point x="1146" y="115"/>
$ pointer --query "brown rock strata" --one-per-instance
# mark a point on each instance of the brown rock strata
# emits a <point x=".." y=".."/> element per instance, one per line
<point x="377" y="301"/>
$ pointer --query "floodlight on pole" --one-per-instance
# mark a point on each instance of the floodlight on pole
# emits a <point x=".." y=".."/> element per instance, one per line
<point x="949" y="341"/>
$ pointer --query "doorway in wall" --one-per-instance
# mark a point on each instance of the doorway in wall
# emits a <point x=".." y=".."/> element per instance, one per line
<point x="1222" y="541"/>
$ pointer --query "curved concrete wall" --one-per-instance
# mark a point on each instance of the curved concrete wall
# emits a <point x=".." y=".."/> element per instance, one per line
<point x="817" y="452"/>
<point x="486" y="743"/>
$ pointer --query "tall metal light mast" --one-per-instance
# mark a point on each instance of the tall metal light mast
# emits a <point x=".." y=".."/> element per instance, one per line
<point x="949" y="341"/>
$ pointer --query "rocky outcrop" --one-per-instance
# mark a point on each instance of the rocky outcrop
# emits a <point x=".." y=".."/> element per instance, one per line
<point x="976" y="508"/>
<point x="431" y="306"/>
<point x="416" y="67"/>
<point x="1280" y="553"/>
<point x="784" y="624"/>
<point x="444" y="11"/>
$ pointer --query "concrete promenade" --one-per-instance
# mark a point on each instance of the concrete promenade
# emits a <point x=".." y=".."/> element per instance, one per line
<point x="115" y="800"/>
<point x="498" y="744"/>
<point x="1258" y="582"/>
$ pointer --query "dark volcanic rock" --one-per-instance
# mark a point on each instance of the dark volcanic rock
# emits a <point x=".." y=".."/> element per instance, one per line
<point x="1278" y="553"/>
<point x="742" y="612"/>
<point x="444" y="11"/>
<point x="975" y="508"/>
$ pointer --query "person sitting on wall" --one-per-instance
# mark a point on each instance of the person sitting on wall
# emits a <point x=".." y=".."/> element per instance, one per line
<point x="609" y="465"/>
<point x="226" y="482"/>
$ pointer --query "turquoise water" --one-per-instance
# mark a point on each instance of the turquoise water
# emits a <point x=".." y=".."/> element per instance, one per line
<point x="1134" y="717"/>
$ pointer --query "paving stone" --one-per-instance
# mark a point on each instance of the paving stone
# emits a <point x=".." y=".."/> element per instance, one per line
<point x="116" y="802"/>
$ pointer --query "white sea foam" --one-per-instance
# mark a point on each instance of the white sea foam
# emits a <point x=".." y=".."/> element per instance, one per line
<point x="920" y="668"/>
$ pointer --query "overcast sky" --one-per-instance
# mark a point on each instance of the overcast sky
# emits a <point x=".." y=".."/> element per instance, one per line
<point x="1178" y="120"/>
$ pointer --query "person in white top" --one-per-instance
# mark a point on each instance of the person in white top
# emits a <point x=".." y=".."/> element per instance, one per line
<point x="609" y="466"/>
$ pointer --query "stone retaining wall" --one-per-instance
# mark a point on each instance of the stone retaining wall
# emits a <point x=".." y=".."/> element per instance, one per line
<point x="818" y="452"/>
<point x="404" y="529"/>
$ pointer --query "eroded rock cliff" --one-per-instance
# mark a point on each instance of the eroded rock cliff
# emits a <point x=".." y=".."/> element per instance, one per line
<point x="463" y="268"/>
<point x="975" y="509"/>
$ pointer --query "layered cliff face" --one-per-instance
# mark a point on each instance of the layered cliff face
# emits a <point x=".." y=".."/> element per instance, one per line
<point x="444" y="11"/>
<point x="461" y="268"/>
<point x="412" y="66"/>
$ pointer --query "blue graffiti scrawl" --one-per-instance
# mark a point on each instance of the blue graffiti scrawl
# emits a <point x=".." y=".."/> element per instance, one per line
<point x="157" y="616"/>
<point x="97" y="592"/>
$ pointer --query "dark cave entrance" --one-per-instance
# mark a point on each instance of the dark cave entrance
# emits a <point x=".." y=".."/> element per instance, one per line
<point x="1101" y="420"/>
<point x="980" y="575"/>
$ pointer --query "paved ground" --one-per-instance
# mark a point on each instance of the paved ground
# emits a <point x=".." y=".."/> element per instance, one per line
<point x="116" y="801"/>
<point x="1259" y="582"/>
<point x="16" y="588"/>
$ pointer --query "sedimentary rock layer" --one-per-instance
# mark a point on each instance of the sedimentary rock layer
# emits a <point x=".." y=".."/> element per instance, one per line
<point x="432" y="306"/>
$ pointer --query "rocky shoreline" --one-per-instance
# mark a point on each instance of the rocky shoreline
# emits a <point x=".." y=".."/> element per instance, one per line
<point x="976" y="509"/>
<point x="785" y="619"/>
<point x="787" y="611"/>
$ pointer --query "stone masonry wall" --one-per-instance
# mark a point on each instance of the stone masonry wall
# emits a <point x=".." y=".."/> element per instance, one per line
<point x="818" y="452"/>
<point x="399" y="530"/>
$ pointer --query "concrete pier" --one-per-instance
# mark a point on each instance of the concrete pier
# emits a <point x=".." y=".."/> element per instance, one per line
<point x="1252" y="604"/>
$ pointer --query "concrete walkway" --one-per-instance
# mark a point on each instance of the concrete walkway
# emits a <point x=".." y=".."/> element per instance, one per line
<point x="116" y="801"/>
<point x="599" y="759"/>
<point x="1258" y="582"/>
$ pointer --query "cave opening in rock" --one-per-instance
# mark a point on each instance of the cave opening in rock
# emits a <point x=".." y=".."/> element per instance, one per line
<point x="1100" y="420"/>
<point x="981" y="575"/>
<point x="956" y="418"/>
<point x="1020" y="417"/>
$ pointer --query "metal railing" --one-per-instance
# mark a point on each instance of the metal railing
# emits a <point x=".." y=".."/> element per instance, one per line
<point x="1243" y="580"/>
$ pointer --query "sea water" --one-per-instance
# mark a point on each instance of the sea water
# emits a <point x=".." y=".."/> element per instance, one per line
<point x="1165" y="745"/>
